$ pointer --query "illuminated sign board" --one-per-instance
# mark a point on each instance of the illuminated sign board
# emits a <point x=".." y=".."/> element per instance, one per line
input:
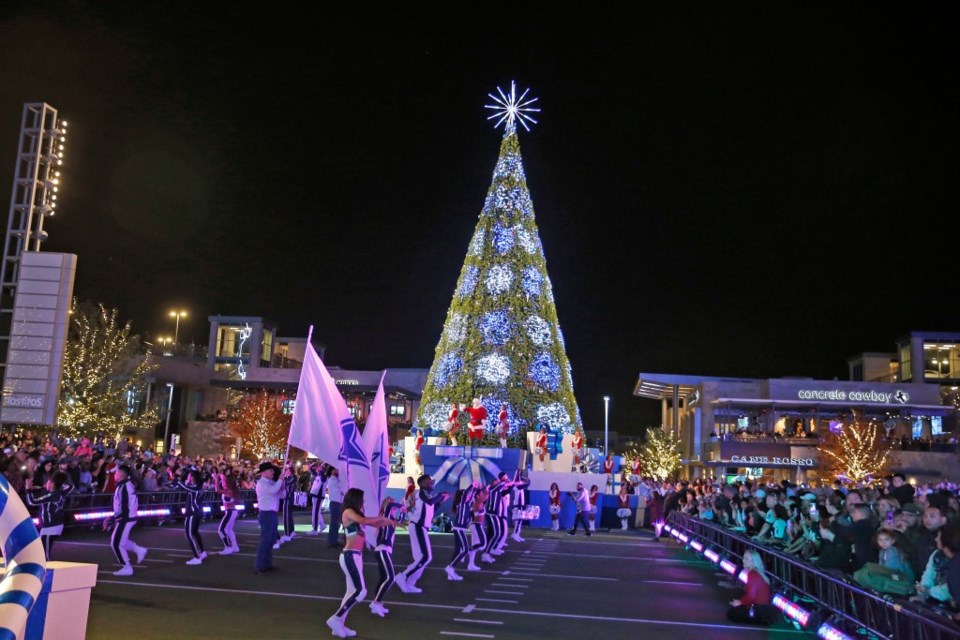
<point x="768" y="460"/>
<point x="870" y="396"/>
<point x="349" y="383"/>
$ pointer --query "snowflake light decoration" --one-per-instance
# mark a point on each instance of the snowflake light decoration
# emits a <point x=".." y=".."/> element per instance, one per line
<point x="511" y="109"/>
<point x="434" y="415"/>
<point x="456" y="328"/>
<point x="447" y="369"/>
<point x="496" y="328"/>
<point x="531" y="280"/>
<point x="469" y="281"/>
<point x="553" y="415"/>
<point x="493" y="368"/>
<point x="545" y="372"/>
<point x="476" y="244"/>
<point x="499" y="279"/>
<point x="538" y="330"/>
<point x="527" y="240"/>
<point x="502" y="238"/>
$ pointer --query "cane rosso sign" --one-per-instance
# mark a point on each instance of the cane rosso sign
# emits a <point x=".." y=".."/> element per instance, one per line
<point x="870" y="396"/>
<point x="751" y="461"/>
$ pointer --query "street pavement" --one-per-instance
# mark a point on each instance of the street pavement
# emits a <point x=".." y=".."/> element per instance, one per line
<point x="551" y="586"/>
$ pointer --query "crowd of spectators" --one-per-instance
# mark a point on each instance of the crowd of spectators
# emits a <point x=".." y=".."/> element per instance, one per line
<point x="892" y="537"/>
<point x="27" y="459"/>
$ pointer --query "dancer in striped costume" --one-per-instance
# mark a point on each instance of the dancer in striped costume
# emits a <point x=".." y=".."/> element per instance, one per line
<point x="394" y="512"/>
<point x="462" y="516"/>
<point x="351" y="559"/>
<point x="124" y="518"/>
<point x="420" y="520"/>
<point x="193" y="514"/>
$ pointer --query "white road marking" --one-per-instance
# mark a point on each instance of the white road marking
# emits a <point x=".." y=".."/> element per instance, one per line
<point x="571" y="616"/>
<point x="517" y="579"/>
<point x="469" y="620"/>
<point x="497" y="600"/>
<point x="468" y="635"/>
<point x="469" y="608"/>
<point x="505" y="593"/>
<point x="511" y="586"/>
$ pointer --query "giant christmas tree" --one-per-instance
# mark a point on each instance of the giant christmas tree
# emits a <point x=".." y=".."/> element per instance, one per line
<point x="501" y="341"/>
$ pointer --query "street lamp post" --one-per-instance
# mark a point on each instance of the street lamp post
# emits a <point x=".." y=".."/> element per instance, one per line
<point x="177" y="315"/>
<point x="166" y="429"/>
<point x="606" y="425"/>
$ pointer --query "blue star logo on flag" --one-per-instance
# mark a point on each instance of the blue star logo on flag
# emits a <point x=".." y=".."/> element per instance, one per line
<point x="351" y="449"/>
<point x="384" y="466"/>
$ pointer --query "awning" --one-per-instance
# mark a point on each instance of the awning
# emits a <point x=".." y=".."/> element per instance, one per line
<point x="253" y="385"/>
<point x="760" y="402"/>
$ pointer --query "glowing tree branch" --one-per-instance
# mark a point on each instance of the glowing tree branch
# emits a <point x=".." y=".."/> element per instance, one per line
<point x="857" y="453"/>
<point x="659" y="455"/>
<point x="103" y="376"/>
<point x="261" y="424"/>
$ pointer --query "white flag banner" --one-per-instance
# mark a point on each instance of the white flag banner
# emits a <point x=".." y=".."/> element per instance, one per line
<point x="376" y="442"/>
<point x="318" y="413"/>
<point x="322" y="425"/>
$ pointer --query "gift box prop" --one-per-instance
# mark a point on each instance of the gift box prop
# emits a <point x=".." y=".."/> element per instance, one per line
<point x="458" y="466"/>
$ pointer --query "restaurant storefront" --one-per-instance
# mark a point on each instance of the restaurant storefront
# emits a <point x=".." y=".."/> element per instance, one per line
<point x="770" y="427"/>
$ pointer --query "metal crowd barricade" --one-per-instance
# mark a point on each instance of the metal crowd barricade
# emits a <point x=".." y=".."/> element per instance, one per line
<point x="86" y="509"/>
<point x="834" y="593"/>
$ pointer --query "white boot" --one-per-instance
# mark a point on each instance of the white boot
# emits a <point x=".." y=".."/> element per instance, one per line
<point x="472" y="566"/>
<point x="623" y="524"/>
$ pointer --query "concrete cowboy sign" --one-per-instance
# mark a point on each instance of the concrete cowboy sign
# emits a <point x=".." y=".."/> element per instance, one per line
<point x="871" y="396"/>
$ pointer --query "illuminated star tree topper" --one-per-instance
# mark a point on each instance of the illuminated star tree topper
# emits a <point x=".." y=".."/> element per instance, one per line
<point x="510" y="109"/>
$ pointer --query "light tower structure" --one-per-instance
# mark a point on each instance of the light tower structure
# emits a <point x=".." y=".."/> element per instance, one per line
<point x="35" y="288"/>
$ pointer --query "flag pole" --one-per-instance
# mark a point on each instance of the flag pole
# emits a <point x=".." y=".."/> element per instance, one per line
<point x="286" y="456"/>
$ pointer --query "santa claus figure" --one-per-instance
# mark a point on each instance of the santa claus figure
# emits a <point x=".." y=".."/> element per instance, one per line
<point x="478" y="421"/>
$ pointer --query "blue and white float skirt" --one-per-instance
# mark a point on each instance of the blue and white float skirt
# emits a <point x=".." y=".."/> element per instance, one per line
<point x="26" y="563"/>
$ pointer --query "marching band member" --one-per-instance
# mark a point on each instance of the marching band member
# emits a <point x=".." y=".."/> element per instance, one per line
<point x="503" y="427"/>
<point x="420" y="520"/>
<point x="541" y="445"/>
<point x="478" y="421"/>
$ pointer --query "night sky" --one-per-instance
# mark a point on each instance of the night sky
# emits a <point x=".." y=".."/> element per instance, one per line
<point x="744" y="191"/>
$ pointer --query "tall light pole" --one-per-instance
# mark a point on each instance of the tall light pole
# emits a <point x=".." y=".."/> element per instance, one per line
<point x="166" y="429"/>
<point x="606" y="425"/>
<point x="177" y="314"/>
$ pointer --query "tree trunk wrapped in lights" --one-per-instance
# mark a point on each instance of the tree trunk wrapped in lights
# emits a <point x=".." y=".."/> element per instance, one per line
<point x="501" y="341"/>
<point x="261" y="424"/>
<point x="103" y="376"/>
<point x="857" y="452"/>
<point x="659" y="455"/>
